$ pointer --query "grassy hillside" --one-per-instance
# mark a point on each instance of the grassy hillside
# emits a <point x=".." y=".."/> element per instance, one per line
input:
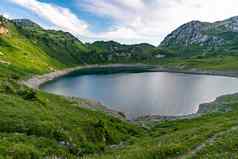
<point x="18" y="51"/>
<point x="113" y="52"/>
<point x="59" y="45"/>
<point x="68" y="50"/>
<point x="211" y="136"/>
<point x="203" y="62"/>
<point x="36" y="125"/>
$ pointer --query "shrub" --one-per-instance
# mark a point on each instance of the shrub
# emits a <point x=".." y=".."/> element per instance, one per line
<point x="27" y="94"/>
<point x="21" y="151"/>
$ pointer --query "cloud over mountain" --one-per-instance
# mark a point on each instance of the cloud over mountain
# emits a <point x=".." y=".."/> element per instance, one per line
<point x="131" y="21"/>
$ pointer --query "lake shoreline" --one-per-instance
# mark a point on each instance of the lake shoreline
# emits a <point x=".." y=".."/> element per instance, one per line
<point x="36" y="81"/>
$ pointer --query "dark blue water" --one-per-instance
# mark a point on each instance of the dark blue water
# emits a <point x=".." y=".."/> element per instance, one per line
<point x="148" y="93"/>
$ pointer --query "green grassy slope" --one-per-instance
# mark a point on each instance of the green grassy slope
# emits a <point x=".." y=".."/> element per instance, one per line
<point x="57" y="44"/>
<point x="34" y="124"/>
<point x="111" y="51"/>
<point x="18" y="51"/>
<point x="69" y="50"/>
<point x="210" y="136"/>
<point x="37" y="125"/>
<point x="207" y="62"/>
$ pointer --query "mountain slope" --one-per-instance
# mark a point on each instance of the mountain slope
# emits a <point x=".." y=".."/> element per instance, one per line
<point x="34" y="124"/>
<point x="112" y="51"/>
<point x="28" y="46"/>
<point x="68" y="49"/>
<point x="200" y="37"/>
<point x="60" y="45"/>
<point x="19" y="52"/>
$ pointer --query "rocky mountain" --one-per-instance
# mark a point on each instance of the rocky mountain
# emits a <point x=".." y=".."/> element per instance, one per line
<point x="197" y="37"/>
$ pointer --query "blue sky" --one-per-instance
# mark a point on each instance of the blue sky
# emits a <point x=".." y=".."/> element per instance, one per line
<point x="125" y="21"/>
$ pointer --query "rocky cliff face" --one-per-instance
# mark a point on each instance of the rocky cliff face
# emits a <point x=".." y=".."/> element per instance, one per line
<point x="3" y="30"/>
<point x="230" y="24"/>
<point x="203" y="36"/>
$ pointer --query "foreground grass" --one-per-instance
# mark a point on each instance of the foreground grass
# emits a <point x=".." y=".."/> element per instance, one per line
<point x="35" y="124"/>
<point x="38" y="125"/>
<point x="177" y="139"/>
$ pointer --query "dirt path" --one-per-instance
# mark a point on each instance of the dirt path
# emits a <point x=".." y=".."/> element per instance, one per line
<point x="210" y="140"/>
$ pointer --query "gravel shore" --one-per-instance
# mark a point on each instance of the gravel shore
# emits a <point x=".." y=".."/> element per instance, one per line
<point x="36" y="81"/>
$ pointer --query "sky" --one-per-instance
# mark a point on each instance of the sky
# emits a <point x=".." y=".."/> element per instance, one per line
<point x="125" y="21"/>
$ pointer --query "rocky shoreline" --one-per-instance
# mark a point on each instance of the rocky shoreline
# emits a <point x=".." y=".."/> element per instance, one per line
<point x="36" y="81"/>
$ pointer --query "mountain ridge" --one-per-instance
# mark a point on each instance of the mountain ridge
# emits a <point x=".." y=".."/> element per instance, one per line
<point x="197" y="36"/>
<point x="68" y="49"/>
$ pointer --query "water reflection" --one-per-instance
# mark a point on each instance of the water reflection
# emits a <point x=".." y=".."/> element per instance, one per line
<point x="147" y="93"/>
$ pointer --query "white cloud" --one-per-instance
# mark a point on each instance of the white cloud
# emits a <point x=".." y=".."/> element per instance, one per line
<point x="61" y="17"/>
<point x="134" y="20"/>
<point x="6" y="15"/>
<point x="152" y="20"/>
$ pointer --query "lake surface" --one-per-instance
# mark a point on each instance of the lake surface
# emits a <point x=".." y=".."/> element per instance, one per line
<point x="149" y="93"/>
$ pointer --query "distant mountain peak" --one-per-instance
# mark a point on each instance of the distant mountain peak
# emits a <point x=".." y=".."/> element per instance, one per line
<point x="25" y="23"/>
<point x="203" y="36"/>
<point x="186" y="34"/>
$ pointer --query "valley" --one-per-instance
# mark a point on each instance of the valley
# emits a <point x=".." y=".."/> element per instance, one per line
<point x="36" y="124"/>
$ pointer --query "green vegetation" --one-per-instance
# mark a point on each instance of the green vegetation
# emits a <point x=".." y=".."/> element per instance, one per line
<point x="59" y="45"/>
<point x="35" y="124"/>
<point x="196" y="37"/>
<point x="204" y="62"/>
<point x="115" y="52"/>
<point x="187" y="138"/>
<point x="19" y="52"/>
<point x="68" y="50"/>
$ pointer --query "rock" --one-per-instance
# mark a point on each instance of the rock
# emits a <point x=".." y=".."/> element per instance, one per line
<point x="203" y="36"/>
<point x="3" y="30"/>
<point x="192" y="33"/>
<point x="5" y="62"/>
